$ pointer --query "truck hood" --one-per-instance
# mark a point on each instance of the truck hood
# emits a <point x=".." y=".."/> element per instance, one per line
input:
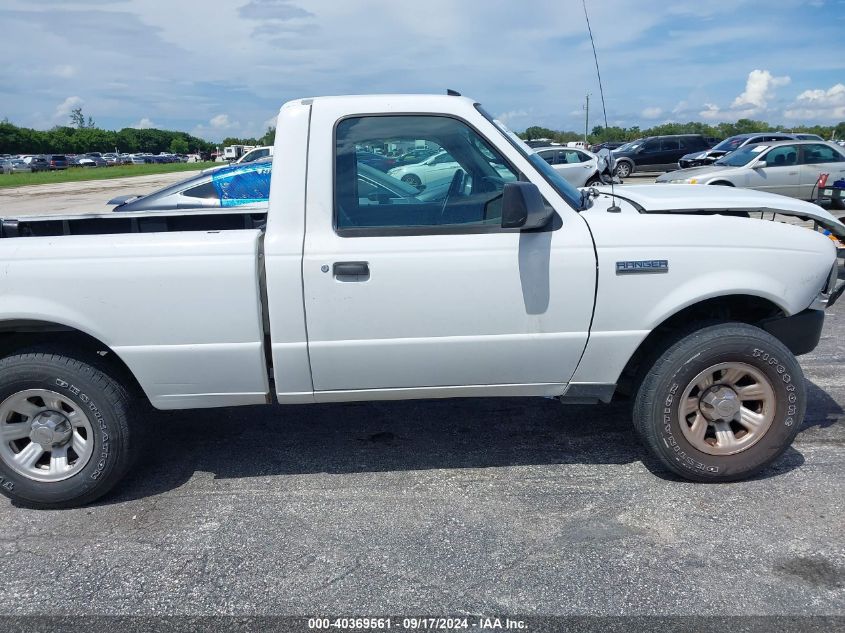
<point x="693" y="198"/>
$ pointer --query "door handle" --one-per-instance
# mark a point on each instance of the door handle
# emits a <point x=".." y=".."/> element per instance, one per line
<point x="346" y="269"/>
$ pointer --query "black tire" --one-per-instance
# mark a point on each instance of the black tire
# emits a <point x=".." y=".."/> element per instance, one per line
<point x="412" y="180"/>
<point x="108" y="407"/>
<point x="624" y="168"/>
<point x="595" y="181"/>
<point x="656" y="414"/>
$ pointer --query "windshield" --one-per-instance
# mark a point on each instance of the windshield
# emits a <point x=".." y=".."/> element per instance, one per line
<point x="629" y="147"/>
<point x="730" y="144"/>
<point x="742" y="156"/>
<point x="566" y="191"/>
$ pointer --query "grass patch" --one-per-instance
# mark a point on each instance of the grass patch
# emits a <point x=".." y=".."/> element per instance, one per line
<point x="76" y="174"/>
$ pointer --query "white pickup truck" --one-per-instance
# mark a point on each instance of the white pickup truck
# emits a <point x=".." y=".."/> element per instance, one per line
<point x="504" y="281"/>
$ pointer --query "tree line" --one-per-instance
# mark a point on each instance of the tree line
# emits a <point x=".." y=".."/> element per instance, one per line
<point x="78" y="140"/>
<point x="600" y="134"/>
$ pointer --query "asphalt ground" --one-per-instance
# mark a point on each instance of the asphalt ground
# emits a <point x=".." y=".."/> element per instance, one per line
<point x="496" y="507"/>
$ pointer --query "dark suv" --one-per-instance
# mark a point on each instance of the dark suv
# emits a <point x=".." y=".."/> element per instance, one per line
<point x="710" y="156"/>
<point x="656" y="153"/>
<point x="57" y="161"/>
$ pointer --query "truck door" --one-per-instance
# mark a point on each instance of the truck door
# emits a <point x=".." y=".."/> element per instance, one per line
<point x="422" y="293"/>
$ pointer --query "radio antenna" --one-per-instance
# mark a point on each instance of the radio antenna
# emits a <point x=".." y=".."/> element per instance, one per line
<point x="613" y="208"/>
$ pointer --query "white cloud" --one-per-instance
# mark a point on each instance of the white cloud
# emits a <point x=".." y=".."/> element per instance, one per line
<point x="652" y="112"/>
<point x="754" y="100"/>
<point x="759" y="89"/>
<point x="711" y="111"/>
<point x="62" y="112"/>
<point x="819" y="104"/>
<point x="221" y="122"/>
<point x="145" y="123"/>
<point x="508" y="118"/>
<point x="65" y="71"/>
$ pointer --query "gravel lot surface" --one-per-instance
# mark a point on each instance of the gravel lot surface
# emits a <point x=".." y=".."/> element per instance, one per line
<point x="497" y="506"/>
<point x="86" y="196"/>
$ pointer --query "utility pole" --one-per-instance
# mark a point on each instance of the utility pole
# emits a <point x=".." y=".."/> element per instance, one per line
<point x="586" y="117"/>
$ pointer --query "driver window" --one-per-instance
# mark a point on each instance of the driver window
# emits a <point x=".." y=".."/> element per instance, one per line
<point x="457" y="181"/>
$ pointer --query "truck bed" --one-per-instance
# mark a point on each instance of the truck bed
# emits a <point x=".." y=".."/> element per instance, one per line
<point x="228" y="219"/>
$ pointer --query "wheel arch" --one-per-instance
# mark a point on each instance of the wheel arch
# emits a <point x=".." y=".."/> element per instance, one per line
<point x="21" y="334"/>
<point x="742" y="308"/>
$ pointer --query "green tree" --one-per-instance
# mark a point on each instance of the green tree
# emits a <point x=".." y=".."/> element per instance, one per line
<point x="269" y="136"/>
<point x="77" y="119"/>
<point x="179" y="146"/>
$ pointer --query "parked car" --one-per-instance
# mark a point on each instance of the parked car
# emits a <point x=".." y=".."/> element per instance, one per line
<point x="37" y="163"/>
<point x="611" y="145"/>
<point x="93" y="159"/>
<point x="56" y="161"/>
<point x="433" y="170"/>
<point x="656" y="153"/>
<point x="382" y="163"/>
<point x="208" y="189"/>
<point x="501" y="287"/>
<point x="579" y="167"/>
<point x="809" y="137"/>
<point x="541" y="142"/>
<point x="255" y="154"/>
<point x="415" y="156"/>
<point x="13" y="166"/>
<point x="790" y="168"/>
<point x="709" y="156"/>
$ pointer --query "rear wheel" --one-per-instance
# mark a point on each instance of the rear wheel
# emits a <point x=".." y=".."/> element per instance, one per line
<point x="721" y="403"/>
<point x="412" y="180"/>
<point x="624" y="168"/>
<point x="65" y="431"/>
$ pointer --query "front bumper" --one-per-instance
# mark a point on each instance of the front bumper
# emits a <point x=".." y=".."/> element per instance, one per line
<point x="800" y="332"/>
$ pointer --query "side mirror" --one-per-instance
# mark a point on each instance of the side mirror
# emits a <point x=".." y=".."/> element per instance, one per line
<point x="523" y="207"/>
<point x="760" y="164"/>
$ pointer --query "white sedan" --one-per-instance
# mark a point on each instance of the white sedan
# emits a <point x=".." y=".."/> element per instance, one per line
<point x="438" y="170"/>
<point x="579" y="167"/>
<point x="790" y="168"/>
<point x="432" y="171"/>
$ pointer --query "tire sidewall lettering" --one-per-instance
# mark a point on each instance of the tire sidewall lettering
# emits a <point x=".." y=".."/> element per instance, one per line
<point x="104" y="445"/>
<point x="787" y="395"/>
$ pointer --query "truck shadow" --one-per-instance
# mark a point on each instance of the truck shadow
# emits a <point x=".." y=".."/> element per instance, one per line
<point x="402" y="436"/>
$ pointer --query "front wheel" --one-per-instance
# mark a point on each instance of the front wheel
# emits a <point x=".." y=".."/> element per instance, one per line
<point x="65" y="433"/>
<point x="721" y="404"/>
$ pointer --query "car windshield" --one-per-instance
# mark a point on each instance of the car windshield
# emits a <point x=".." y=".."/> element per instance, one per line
<point x="569" y="193"/>
<point x="627" y="147"/>
<point x="741" y="156"/>
<point x="730" y="144"/>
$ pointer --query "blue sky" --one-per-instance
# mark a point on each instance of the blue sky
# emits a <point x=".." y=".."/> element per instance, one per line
<point x="223" y="68"/>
